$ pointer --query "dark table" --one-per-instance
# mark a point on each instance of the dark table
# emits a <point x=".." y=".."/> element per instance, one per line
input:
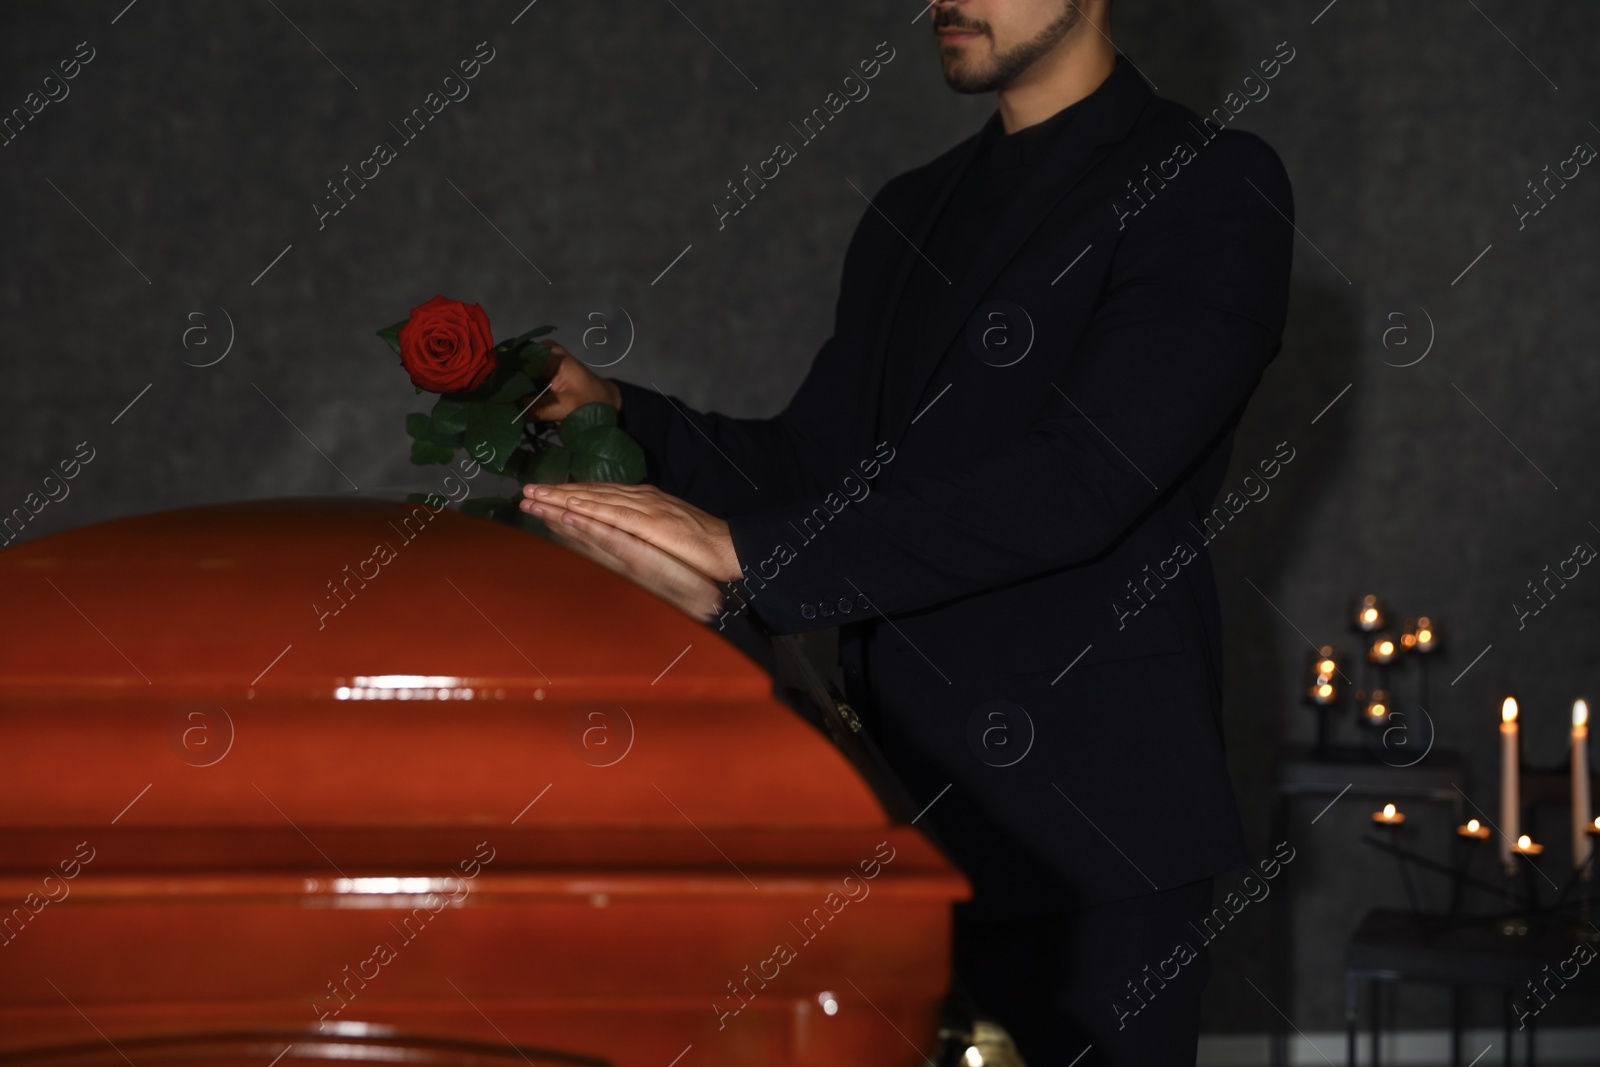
<point x="1498" y="952"/>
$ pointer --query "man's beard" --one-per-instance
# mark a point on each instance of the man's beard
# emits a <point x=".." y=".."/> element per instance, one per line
<point x="1007" y="66"/>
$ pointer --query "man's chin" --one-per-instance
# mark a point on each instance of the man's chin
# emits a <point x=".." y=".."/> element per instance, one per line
<point x="966" y="77"/>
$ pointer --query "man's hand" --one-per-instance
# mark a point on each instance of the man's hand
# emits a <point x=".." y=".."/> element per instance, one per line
<point x="572" y="385"/>
<point x="672" y="525"/>
<point x="663" y="574"/>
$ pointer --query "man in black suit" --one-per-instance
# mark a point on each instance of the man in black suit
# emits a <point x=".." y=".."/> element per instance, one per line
<point x="995" y="480"/>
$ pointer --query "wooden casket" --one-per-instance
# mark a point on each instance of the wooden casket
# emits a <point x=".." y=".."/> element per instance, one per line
<point x="331" y="780"/>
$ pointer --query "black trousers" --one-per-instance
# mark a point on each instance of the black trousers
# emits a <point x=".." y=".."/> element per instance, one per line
<point x="1114" y="984"/>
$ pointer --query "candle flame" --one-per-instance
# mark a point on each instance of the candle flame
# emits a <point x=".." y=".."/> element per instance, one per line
<point x="1385" y="648"/>
<point x="1388" y="811"/>
<point x="1524" y="841"/>
<point x="1473" y="825"/>
<point x="1424" y="636"/>
<point x="1324" y="690"/>
<point x="1377" y="710"/>
<point x="1580" y="713"/>
<point x="1508" y="710"/>
<point x="1369" y="615"/>
<point x="1327" y="666"/>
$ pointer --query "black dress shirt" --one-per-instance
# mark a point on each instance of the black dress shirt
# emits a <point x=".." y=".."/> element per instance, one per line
<point x="997" y="172"/>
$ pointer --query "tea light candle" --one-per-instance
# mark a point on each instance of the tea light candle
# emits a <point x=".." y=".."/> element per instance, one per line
<point x="1322" y="691"/>
<point x="1427" y="635"/>
<point x="1382" y="650"/>
<point x="1474" y="829"/>
<point x="1389" y="816"/>
<point x="1369" y="614"/>
<point x="1378" y="707"/>
<point x="1525" y="846"/>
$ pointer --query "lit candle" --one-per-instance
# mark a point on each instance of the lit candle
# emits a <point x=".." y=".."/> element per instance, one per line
<point x="1510" y="820"/>
<point x="1327" y="665"/>
<point x="1369" y="614"/>
<point x="1382" y="649"/>
<point x="1427" y="636"/>
<point x="1474" y="829"/>
<point x="1580" y="784"/>
<point x="1526" y="847"/>
<point x="1323" y="668"/>
<point x="1378" y="706"/>
<point x="1389" y="816"/>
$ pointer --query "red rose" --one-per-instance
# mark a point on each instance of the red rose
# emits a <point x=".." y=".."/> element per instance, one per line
<point x="446" y="346"/>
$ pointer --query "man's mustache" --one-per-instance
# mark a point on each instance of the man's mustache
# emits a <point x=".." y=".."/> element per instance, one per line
<point x="949" y="17"/>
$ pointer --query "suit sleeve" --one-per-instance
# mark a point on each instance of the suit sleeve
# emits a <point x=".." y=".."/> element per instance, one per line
<point x="728" y="465"/>
<point x="1192" y="314"/>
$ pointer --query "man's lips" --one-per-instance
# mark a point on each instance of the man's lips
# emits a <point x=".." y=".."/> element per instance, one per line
<point x="955" y="35"/>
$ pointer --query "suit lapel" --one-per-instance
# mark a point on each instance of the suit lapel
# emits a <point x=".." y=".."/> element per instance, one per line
<point x="872" y="368"/>
<point x="1107" y="116"/>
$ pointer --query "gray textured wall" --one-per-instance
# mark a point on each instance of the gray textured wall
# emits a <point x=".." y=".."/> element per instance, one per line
<point x="191" y="148"/>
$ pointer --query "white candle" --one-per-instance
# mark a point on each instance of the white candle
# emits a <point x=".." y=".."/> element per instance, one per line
<point x="1581" y="844"/>
<point x="1510" y="823"/>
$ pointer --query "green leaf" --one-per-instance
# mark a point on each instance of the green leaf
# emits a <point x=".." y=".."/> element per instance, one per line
<point x="510" y="345"/>
<point x="581" y="420"/>
<point x="504" y="368"/>
<point x="423" y="452"/>
<point x="552" y="466"/>
<point x="533" y="359"/>
<point x="493" y="432"/>
<point x="423" y="428"/>
<point x="495" y="465"/>
<point x="607" y="454"/>
<point x="519" y="466"/>
<point x="513" y="389"/>
<point x="449" y="416"/>
<point x="392" y="335"/>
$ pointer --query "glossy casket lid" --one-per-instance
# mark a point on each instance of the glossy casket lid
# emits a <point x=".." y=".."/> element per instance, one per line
<point x="456" y="687"/>
<point x="294" y="598"/>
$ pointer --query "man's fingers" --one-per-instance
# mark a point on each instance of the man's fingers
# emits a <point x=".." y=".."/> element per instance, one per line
<point x="591" y="487"/>
<point x="551" y="406"/>
<point x="550" y="513"/>
<point x="570" y="526"/>
<point x="619" y="515"/>
<point x="615" y="514"/>
<point x="555" y="515"/>
<point x="617" y="510"/>
<point x="603" y="492"/>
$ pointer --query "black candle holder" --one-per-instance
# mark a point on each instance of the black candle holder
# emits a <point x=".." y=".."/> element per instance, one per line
<point x="1392" y="729"/>
<point x="1520" y="887"/>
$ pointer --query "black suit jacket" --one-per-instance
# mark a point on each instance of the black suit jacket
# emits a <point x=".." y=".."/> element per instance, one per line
<point x="1019" y="570"/>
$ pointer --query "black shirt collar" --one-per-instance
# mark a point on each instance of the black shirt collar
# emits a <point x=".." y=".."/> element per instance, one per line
<point x="999" y="150"/>
<point x="1025" y="147"/>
